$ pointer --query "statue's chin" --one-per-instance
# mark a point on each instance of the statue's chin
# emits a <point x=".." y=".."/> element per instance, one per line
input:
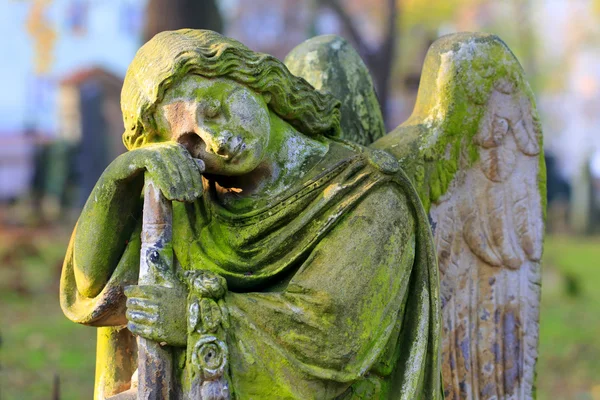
<point x="224" y="181"/>
<point x="247" y="183"/>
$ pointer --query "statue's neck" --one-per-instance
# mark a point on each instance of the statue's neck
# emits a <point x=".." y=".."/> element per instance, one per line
<point x="289" y="156"/>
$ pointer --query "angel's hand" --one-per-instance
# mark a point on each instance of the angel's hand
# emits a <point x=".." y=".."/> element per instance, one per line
<point x="157" y="313"/>
<point x="169" y="164"/>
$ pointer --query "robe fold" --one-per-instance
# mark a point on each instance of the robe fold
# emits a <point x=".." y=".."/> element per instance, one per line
<point x="333" y="286"/>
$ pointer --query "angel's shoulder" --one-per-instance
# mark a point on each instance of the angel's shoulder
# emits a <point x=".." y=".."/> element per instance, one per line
<point x="386" y="203"/>
<point x="386" y="209"/>
<point x="380" y="160"/>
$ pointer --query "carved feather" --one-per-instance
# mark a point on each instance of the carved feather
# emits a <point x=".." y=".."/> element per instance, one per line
<point x="527" y="131"/>
<point x="489" y="223"/>
<point x="527" y="209"/>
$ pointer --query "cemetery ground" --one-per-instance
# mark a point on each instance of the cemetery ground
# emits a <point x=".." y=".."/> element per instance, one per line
<point x="41" y="351"/>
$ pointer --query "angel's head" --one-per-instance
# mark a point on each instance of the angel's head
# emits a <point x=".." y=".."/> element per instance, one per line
<point x="211" y="72"/>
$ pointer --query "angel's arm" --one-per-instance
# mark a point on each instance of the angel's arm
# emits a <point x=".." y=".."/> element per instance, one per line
<point x="114" y="208"/>
<point x="105" y="226"/>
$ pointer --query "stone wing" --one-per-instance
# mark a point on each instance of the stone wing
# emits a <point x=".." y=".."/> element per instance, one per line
<point x="331" y="65"/>
<point x="488" y="235"/>
<point x="473" y="150"/>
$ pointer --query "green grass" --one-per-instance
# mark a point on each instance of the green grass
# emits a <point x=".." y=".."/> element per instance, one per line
<point x="569" y="363"/>
<point x="39" y="343"/>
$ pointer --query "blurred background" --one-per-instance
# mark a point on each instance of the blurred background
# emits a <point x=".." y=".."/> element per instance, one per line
<point x="60" y="126"/>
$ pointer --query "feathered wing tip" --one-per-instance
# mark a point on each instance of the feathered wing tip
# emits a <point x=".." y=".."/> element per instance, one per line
<point x="473" y="148"/>
<point x="331" y="65"/>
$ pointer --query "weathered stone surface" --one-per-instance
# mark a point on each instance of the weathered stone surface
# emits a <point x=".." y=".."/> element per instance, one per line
<point x="303" y="266"/>
<point x="473" y="148"/>
<point x="332" y="66"/>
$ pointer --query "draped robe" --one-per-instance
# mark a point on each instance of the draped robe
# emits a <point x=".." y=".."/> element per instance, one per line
<point x="333" y="287"/>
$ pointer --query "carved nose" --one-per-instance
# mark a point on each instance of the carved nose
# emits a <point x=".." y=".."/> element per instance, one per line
<point x="221" y="144"/>
<point x="220" y="147"/>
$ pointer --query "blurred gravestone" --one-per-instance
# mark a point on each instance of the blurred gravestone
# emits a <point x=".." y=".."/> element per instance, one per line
<point x="582" y="201"/>
<point x="90" y="131"/>
<point x="558" y="197"/>
<point x="166" y="15"/>
<point x="594" y="166"/>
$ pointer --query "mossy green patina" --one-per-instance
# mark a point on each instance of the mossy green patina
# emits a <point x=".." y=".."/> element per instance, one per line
<point x="332" y="66"/>
<point x="457" y="80"/>
<point x="332" y="288"/>
<point x="473" y="149"/>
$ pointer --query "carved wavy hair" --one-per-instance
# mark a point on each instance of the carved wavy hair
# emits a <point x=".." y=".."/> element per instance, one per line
<point x="171" y="55"/>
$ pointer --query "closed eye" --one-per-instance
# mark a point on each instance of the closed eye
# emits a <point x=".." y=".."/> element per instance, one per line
<point x="212" y="109"/>
<point x="212" y="112"/>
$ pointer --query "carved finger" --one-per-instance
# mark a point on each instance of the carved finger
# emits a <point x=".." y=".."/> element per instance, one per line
<point x="207" y="284"/>
<point x="152" y="292"/>
<point x="132" y="291"/>
<point x="172" y="181"/>
<point x="177" y="175"/>
<point x="195" y="173"/>
<point x="141" y="330"/>
<point x="163" y="178"/>
<point x="188" y="172"/>
<point x="136" y="304"/>
<point x="200" y="165"/>
<point x="141" y="317"/>
<point x="195" y="168"/>
<point x="191" y="179"/>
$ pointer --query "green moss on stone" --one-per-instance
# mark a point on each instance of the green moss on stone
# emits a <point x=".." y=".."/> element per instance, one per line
<point x="332" y="66"/>
<point x="458" y="77"/>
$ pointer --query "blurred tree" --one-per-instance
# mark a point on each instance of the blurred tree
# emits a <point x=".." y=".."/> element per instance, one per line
<point x="596" y="6"/>
<point x="43" y="34"/>
<point x="407" y="31"/>
<point x="433" y="13"/>
<point x="420" y="23"/>
<point x="165" y="15"/>
<point x="523" y="10"/>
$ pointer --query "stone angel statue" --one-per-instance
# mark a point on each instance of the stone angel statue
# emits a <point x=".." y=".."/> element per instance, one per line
<point x="473" y="150"/>
<point x="242" y="249"/>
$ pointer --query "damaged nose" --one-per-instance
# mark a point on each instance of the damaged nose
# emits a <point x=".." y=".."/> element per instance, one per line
<point x="220" y="147"/>
<point x="221" y="144"/>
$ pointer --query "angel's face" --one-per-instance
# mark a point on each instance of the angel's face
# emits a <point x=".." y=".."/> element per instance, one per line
<point x="218" y="120"/>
